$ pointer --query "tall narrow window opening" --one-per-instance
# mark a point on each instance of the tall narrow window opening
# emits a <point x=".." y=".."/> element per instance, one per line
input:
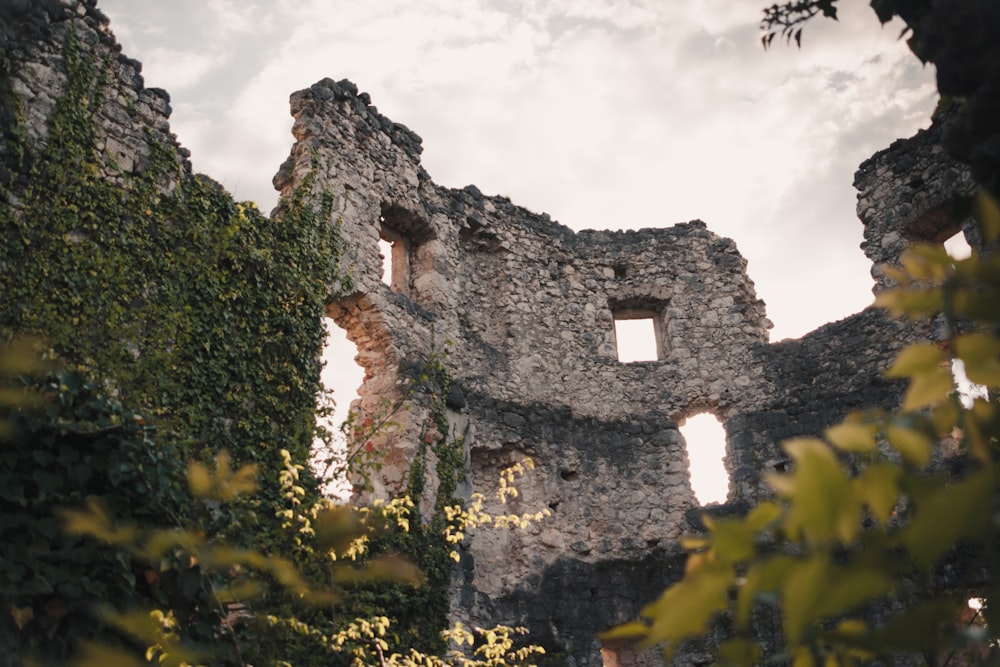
<point x="395" y="251"/>
<point x="341" y="377"/>
<point x="706" y="449"/>
<point x="385" y="252"/>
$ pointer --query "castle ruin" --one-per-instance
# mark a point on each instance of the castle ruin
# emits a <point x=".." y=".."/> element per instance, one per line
<point x="525" y="310"/>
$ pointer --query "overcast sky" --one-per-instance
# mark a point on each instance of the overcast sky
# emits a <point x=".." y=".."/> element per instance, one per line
<point x="603" y="113"/>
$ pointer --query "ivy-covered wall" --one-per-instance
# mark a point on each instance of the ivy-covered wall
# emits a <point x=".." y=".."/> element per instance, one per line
<point x="156" y="293"/>
<point x="197" y="308"/>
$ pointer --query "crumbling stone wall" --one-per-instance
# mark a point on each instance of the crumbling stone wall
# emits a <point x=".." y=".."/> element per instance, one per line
<point x="130" y="122"/>
<point x="528" y="308"/>
<point x="909" y="193"/>
<point x="525" y="309"/>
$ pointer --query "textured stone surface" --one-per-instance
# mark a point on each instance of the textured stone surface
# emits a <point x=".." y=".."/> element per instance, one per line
<point x="908" y="193"/>
<point x="528" y="309"/>
<point x="132" y="118"/>
<point x="525" y="309"/>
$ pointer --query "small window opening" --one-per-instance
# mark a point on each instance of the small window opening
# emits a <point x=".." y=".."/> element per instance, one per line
<point x="395" y="252"/>
<point x="706" y="449"/>
<point x="958" y="247"/>
<point x="636" y="339"/>
<point x="385" y="252"/>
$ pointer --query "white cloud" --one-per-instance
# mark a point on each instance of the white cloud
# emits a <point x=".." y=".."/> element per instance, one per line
<point x="175" y="69"/>
<point x="607" y="113"/>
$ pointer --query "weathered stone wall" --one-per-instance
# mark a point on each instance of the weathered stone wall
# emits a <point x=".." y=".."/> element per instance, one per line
<point x="908" y="193"/>
<point x="528" y="309"/>
<point x="132" y="117"/>
<point x="525" y="309"/>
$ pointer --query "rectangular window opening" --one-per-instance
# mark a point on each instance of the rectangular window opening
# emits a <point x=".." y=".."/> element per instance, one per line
<point x="385" y="251"/>
<point x="395" y="252"/>
<point x="957" y="246"/>
<point x="636" y="339"/>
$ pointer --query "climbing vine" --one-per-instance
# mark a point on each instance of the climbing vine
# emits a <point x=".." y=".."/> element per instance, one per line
<point x="198" y="308"/>
<point x="147" y="287"/>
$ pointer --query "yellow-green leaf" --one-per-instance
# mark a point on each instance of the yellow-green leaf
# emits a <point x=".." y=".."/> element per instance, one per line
<point x="732" y="540"/>
<point x="947" y="514"/>
<point x="685" y="609"/>
<point x="764" y="514"/>
<point x="878" y="487"/>
<point x="93" y="654"/>
<point x="981" y="355"/>
<point x="917" y="359"/>
<point x="739" y="652"/>
<point x="988" y="215"/>
<point x="927" y="262"/>
<point x="626" y="634"/>
<point x="852" y="436"/>
<point x="762" y="578"/>
<point x="928" y="388"/>
<point x="801" y="595"/>
<point x="823" y="505"/>
<point x="847" y="588"/>
<point x="912" y="444"/>
<point x="199" y="480"/>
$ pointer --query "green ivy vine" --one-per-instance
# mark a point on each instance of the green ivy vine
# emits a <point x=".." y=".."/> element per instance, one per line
<point x="194" y="306"/>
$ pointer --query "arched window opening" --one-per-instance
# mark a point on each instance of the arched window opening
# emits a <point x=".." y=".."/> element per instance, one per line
<point x="706" y="449"/>
<point x="968" y="391"/>
<point x="341" y="376"/>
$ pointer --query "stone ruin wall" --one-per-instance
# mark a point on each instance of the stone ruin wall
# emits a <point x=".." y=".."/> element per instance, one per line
<point x="525" y="309"/>
<point x="132" y="117"/>
<point x="528" y="307"/>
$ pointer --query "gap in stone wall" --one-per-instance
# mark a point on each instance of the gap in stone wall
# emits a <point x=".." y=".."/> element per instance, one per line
<point x="636" y="339"/>
<point x="706" y="449"/>
<point x="385" y="252"/>
<point x="968" y="391"/>
<point x="957" y="246"/>
<point x="343" y="376"/>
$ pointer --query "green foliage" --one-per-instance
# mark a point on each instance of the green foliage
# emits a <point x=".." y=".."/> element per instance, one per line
<point x="199" y="309"/>
<point x="871" y="550"/>
<point x="64" y="444"/>
<point x="206" y="316"/>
